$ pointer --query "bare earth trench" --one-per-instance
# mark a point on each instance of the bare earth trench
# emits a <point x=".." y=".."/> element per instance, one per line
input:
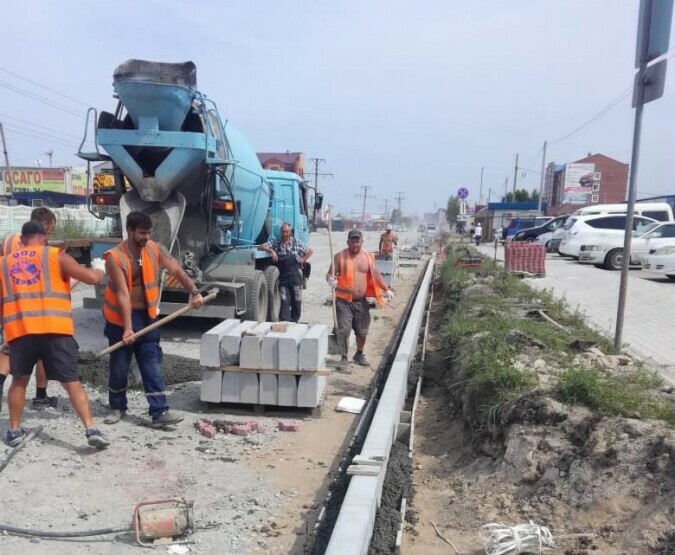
<point x="258" y="490"/>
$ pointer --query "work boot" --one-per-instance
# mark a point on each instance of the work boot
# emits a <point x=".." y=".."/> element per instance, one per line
<point x="44" y="403"/>
<point x="114" y="416"/>
<point x="15" y="437"/>
<point x="167" y="418"/>
<point x="343" y="363"/>
<point x="95" y="438"/>
<point x="360" y="359"/>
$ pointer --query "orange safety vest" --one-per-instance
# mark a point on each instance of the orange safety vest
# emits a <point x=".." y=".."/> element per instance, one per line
<point x="387" y="242"/>
<point x="10" y="243"/>
<point x="35" y="296"/>
<point x="345" y="279"/>
<point x="150" y="275"/>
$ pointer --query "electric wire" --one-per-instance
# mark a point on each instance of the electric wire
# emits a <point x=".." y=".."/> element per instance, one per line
<point x="41" y="137"/>
<point x="41" y="99"/>
<point x="33" y="124"/>
<point x="54" y="91"/>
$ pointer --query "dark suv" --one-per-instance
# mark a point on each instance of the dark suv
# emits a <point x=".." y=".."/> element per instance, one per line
<point x="532" y="233"/>
<point x="518" y="224"/>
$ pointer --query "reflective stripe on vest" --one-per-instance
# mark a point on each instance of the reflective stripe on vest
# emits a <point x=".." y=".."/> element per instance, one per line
<point x="345" y="279"/>
<point x="11" y="243"/>
<point x="150" y="276"/>
<point x="35" y="297"/>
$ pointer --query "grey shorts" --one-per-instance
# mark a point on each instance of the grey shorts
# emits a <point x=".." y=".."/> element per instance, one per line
<point x="353" y="316"/>
<point x="57" y="352"/>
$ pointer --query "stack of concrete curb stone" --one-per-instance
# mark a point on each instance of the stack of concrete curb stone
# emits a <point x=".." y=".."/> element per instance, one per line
<point x="263" y="363"/>
<point x="387" y="268"/>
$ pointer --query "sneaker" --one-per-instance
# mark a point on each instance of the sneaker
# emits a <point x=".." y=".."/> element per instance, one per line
<point x="115" y="416"/>
<point x="344" y="362"/>
<point x="45" y="403"/>
<point x="95" y="438"/>
<point x="167" y="418"/>
<point x="360" y="359"/>
<point x="15" y="437"/>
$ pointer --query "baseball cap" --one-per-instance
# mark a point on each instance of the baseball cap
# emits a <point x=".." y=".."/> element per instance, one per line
<point x="389" y="227"/>
<point x="354" y="233"/>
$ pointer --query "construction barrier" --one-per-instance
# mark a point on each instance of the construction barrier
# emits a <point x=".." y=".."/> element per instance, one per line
<point x="525" y="257"/>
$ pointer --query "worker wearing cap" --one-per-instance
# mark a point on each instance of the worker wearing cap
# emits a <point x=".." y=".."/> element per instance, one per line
<point x="356" y="278"/>
<point x="387" y="242"/>
<point x="10" y="243"/>
<point x="290" y="255"/>
<point x="38" y="324"/>
<point x="131" y="303"/>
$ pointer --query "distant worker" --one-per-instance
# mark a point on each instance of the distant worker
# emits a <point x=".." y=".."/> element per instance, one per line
<point x="38" y="324"/>
<point x="388" y="240"/>
<point x="130" y="303"/>
<point x="478" y="233"/>
<point x="356" y="278"/>
<point x="10" y="243"/>
<point x="290" y="255"/>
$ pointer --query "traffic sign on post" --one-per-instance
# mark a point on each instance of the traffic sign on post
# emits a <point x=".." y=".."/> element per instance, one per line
<point x="653" y="34"/>
<point x="463" y="193"/>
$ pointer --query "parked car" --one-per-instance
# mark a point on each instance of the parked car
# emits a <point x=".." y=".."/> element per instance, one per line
<point x="518" y="224"/>
<point x="660" y="211"/>
<point x="556" y="237"/>
<point x="609" y="252"/>
<point x="431" y="229"/>
<point x="661" y="263"/>
<point x="533" y="233"/>
<point x="592" y="230"/>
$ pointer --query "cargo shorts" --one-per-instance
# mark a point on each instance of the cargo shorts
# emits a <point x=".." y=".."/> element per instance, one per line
<point x="353" y="316"/>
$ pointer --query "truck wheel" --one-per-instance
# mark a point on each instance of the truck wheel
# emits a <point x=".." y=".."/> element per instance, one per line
<point x="614" y="259"/>
<point x="256" y="298"/>
<point x="274" y="300"/>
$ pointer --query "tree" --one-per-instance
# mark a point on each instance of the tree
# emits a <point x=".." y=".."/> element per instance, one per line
<point x="522" y="195"/>
<point x="452" y="211"/>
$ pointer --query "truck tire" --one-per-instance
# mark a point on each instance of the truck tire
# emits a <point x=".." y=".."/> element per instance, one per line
<point x="274" y="300"/>
<point x="256" y="298"/>
<point x="614" y="259"/>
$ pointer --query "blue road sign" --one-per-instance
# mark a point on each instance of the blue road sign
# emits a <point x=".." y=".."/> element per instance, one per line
<point x="463" y="193"/>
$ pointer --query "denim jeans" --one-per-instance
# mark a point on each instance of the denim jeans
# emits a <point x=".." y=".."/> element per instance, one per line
<point x="291" y="302"/>
<point x="149" y="358"/>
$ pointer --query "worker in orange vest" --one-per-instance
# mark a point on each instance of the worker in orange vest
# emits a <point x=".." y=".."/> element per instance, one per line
<point x="388" y="240"/>
<point x="356" y="278"/>
<point x="10" y="243"/>
<point x="38" y="324"/>
<point x="130" y="303"/>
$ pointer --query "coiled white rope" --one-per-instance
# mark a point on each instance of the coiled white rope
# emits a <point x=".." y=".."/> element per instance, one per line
<point x="512" y="540"/>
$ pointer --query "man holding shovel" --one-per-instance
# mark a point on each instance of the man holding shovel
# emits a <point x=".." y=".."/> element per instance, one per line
<point x="38" y="324"/>
<point x="131" y="303"/>
<point x="354" y="276"/>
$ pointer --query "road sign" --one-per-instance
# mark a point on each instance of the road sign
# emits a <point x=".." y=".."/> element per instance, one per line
<point x="654" y="82"/>
<point x="463" y="193"/>
<point x="653" y="35"/>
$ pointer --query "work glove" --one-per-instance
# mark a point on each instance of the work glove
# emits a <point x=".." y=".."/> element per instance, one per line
<point x="331" y="282"/>
<point x="388" y="295"/>
<point x="98" y="264"/>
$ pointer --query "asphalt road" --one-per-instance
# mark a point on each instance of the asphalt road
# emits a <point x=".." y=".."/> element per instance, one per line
<point x="650" y="305"/>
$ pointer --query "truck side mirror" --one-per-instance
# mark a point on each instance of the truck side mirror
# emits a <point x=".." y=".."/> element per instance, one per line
<point x="318" y="201"/>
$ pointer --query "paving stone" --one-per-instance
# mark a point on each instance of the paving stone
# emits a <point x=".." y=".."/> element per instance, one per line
<point x="310" y="389"/>
<point x="212" y="383"/>
<point x="205" y="428"/>
<point x="313" y="348"/>
<point x="209" y="347"/>
<point x="230" y="343"/>
<point x="288" y="391"/>
<point x="280" y="349"/>
<point x="269" y="389"/>
<point x="251" y="342"/>
<point x="289" y="425"/>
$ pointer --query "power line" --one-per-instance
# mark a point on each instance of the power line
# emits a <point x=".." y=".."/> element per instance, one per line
<point x="70" y="135"/>
<point x="45" y="87"/>
<point x="42" y="99"/>
<point x="42" y="137"/>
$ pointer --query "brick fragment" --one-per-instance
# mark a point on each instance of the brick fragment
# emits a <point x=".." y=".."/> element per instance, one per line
<point x="205" y="428"/>
<point x="289" y="425"/>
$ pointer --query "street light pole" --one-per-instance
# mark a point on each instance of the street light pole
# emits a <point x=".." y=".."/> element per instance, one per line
<point x="480" y="195"/>
<point x="541" y="181"/>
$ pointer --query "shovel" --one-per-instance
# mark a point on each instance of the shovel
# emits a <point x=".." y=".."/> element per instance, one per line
<point x="333" y="343"/>
<point x="213" y="293"/>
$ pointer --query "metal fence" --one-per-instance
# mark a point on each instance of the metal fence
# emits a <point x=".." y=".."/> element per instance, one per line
<point x="79" y="220"/>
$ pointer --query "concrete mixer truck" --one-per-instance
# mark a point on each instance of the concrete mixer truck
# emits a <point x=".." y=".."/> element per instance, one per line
<point x="200" y="181"/>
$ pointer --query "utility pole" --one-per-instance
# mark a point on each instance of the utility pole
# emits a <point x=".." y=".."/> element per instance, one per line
<point x="316" y="161"/>
<point x="365" y="196"/>
<point x="541" y="181"/>
<point x="7" y="166"/>
<point x="386" y="208"/>
<point x="515" y="178"/>
<point x="50" y="153"/>
<point x="480" y="195"/>
<point x="506" y="190"/>
<point x="399" y="197"/>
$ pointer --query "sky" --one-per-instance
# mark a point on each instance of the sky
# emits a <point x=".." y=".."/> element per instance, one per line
<point x="402" y="98"/>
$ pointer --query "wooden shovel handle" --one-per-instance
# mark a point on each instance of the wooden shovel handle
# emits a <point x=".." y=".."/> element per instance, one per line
<point x="175" y="314"/>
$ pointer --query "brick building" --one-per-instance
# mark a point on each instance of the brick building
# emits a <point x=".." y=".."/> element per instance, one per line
<point x="289" y="161"/>
<point x="595" y="179"/>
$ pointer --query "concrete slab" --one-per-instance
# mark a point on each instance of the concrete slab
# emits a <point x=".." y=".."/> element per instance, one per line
<point x="212" y="383"/>
<point x="249" y="351"/>
<point x="230" y="342"/>
<point x="229" y="392"/>
<point x="310" y="390"/>
<point x="288" y="391"/>
<point x="279" y="350"/>
<point x="313" y="348"/>
<point x="269" y="389"/>
<point x="209" y="347"/>
<point x="249" y="388"/>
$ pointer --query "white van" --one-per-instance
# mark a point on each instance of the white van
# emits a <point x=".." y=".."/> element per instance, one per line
<point x="660" y="211"/>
